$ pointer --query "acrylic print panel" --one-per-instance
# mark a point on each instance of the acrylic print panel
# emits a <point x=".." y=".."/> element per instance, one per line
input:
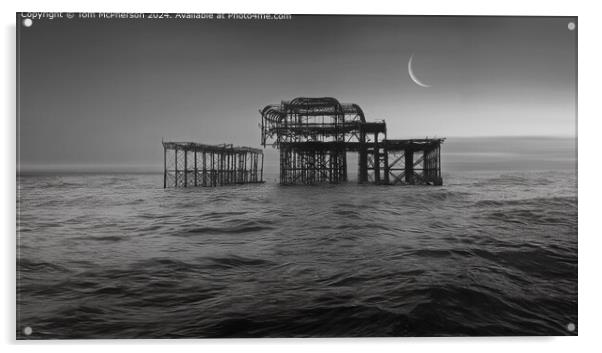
<point x="224" y="175"/>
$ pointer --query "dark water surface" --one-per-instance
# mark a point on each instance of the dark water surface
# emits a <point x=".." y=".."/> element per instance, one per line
<point x="116" y="256"/>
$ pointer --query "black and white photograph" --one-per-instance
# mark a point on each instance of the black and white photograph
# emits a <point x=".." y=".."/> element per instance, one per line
<point x="239" y="175"/>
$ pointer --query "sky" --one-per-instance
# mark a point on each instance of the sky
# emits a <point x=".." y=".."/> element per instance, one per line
<point x="106" y="92"/>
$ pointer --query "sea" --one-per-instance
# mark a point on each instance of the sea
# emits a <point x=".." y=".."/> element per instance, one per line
<point x="117" y="256"/>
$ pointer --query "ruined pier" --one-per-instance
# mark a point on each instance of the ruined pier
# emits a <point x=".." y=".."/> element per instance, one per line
<point x="187" y="164"/>
<point x="314" y="136"/>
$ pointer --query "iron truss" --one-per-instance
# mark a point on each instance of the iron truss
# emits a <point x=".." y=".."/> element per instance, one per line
<point x="315" y="134"/>
<point x="188" y="164"/>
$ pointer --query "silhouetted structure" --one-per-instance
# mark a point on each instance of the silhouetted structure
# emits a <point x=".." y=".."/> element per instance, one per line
<point x="315" y="134"/>
<point x="194" y="164"/>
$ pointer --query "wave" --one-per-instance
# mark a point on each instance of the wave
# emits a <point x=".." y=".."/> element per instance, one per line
<point x="232" y="262"/>
<point x="238" y="229"/>
<point x="24" y="264"/>
<point x="536" y="202"/>
<point x="120" y="257"/>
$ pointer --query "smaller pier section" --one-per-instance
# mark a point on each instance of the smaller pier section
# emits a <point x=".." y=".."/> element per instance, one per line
<point x="189" y="164"/>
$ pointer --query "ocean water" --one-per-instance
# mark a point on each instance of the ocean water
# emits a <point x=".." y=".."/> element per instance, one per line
<point x="117" y="256"/>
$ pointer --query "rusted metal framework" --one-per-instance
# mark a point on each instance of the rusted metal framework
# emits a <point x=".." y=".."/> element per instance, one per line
<point x="187" y="164"/>
<point x="413" y="161"/>
<point x="315" y="134"/>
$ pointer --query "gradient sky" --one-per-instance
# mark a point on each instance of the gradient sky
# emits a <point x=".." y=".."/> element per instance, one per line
<point x="107" y="92"/>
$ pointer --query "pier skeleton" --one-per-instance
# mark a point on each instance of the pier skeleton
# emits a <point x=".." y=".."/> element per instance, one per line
<point x="187" y="164"/>
<point x="315" y="134"/>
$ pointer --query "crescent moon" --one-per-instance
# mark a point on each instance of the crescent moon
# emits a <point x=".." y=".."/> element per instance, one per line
<point x="412" y="76"/>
